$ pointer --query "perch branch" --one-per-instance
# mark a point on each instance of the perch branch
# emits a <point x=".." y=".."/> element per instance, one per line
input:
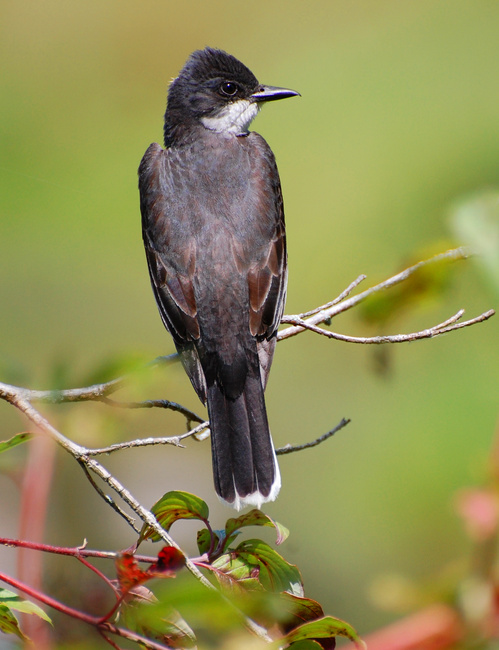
<point x="11" y="394"/>
<point x="15" y="397"/>
<point x="147" y="442"/>
<point x="155" y="403"/>
<point x="341" y="304"/>
<point x="448" y="326"/>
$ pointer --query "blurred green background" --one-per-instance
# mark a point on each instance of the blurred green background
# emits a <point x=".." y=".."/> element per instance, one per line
<point x="398" y="122"/>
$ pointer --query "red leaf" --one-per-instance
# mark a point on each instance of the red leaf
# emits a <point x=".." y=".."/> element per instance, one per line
<point x="129" y="573"/>
<point x="169" y="561"/>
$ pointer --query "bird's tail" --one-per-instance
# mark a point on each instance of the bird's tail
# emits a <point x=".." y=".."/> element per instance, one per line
<point x="245" y="466"/>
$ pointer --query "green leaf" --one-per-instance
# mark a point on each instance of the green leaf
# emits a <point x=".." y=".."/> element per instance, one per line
<point x="13" y="601"/>
<point x="206" y="610"/>
<point x="232" y="566"/>
<point x="204" y="540"/>
<point x="299" y="610"/>
<point x="9" y="623"/>
<point x="254" y="518"/>
<point x="174" y="506"/>
<point x="167" y="626"/>
<point x="256" y="559"/>
<point x="234" y="576"/>
<point x="306" y="645"/>
<point x="324" y="628"/>
<point x="15" y="440"/>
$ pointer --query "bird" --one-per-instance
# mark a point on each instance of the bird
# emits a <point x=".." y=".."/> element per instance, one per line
<point x="214" y="235"/>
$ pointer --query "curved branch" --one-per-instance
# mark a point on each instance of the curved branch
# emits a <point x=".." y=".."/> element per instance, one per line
<point x="81" y="455"/>
<point x="339" y="305"/>
<point x="155" y="403"/>
<point x="289" y="449"/>
<point x="13" y="396"/>
<point x="87" y="393"/>
<point x="447" y="326"/>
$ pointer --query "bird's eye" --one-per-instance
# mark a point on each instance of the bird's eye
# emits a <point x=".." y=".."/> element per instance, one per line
<point x="228" y="88"/>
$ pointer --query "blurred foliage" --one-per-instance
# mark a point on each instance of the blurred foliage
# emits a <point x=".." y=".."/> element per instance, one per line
<point x="396" y="127"/>
<point x="257" y="590"/>
<point x="252" y="576"/>
<point x="476" y="221"/>
<point x="10" y="603"/>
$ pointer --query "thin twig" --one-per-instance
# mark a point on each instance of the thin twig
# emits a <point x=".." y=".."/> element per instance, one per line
<point x="101" y="575"/>
<point x="73" y="551"/>
<point x="340" y="307"/>
<point x="147" y="442"/>
<point x="344" y="294"/>
<point x="87" y="393"/>
<point x="109" y="500"/>
<point x="431" y="332"/>
<point x="289" y="449"/>
<point x="155" y="403"/>
<point x="10" y="394"/>
<point x="113" y="645"/>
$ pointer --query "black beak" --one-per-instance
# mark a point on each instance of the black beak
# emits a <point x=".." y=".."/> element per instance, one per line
<point x="271" y="93"/>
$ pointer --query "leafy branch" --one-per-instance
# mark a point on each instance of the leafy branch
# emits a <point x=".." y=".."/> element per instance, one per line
<point x="249" y="576"/>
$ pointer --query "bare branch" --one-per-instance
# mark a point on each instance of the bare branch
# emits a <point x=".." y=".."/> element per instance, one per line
<point x="155" y="403"/>
<point x="339" y="305"/>
<point x="344" y="294"/>
<point x="175" y="440"/>
<point x="11" y="394"/>
<point x="109" y="500"/>
<point x="431" y="332"/>
<point x="147" y="442"/>
<point x="88" y="393"/>
<point x="289" y="449"/>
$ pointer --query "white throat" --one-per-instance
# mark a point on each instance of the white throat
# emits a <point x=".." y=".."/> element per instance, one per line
<point x="234" y="118"/>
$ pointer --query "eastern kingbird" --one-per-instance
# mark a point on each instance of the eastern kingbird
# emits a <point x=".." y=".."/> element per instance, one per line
<point x="213" y="229"/>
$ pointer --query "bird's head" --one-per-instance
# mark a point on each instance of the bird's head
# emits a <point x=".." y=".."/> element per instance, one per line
<point x="219" y="92"/>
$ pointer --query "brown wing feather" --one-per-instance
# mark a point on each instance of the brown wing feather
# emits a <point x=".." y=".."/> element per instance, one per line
<point x="267" y="288"/>
<point x="173" y="290"/>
